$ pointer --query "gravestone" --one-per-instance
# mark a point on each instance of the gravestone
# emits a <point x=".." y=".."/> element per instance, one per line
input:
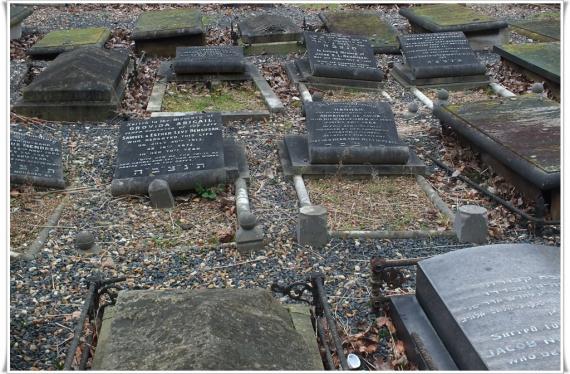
<point x="269" y="28"/>
<point x="60" y="41"/>
<point x="353" y="134"/>
<point x="211" y="59"/>
<point x="18" y="14"/>
<point x="85" y="84"/>
<point x="382" y="35"/>
<point x="438" y="59"/>
<point x="483" y="32"/>
<point x="186" y="151"/>
<point x="540" y="30"/>
<point x="35" y="160"/>
<point x="213" y="329"/>
<point x="158" y="33"/>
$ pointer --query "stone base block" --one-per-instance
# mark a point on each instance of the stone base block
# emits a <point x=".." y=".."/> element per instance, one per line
<point x="248" y="241"/>
<point x="402" y="75"/>
<point x="312" y="228"/>
<point x="166" y="47"/>
<point x="160" y="195"/>
<point x="276" y="48"/>
<point x="471" y="224"/>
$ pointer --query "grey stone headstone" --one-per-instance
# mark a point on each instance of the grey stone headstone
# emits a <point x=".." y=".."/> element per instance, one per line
<point x="353" y="134"/>
<point x="442" y="54"/>
<point x="185" y="151"/>
<point x="36" y="161"/>
<point x="269" y="28"/>
<point x="341" y="56"/>
<point x="495" y="307"/>
<point x="211" y="59"/>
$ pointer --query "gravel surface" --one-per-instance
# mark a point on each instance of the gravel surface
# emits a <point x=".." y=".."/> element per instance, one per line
<point x="141" y="244"/>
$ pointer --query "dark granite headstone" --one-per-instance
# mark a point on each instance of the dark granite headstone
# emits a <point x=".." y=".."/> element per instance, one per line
<point x="363" y="133"/>
<point x="186" y="151"/>
<point x="495" y="307"/>
<point x="443" y="54"/>
<point x="36" y="161"/>
<point x="269" y="28"/>
<point x="211" y="59"/>
<point x="341" y="56"/>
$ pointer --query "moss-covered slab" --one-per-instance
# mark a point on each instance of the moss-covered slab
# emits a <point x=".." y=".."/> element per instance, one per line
<point x="18" y="13"/>
<point x="60" y="41"/>
<point x="168" y="23"/>
<point x="269" y="28"/>
<point x="522" y="132"/>
<point x="382" y="35"/>
<point x="450" y="17"/>
<point x="546" y="30"/>
<point x="542" y="59"/>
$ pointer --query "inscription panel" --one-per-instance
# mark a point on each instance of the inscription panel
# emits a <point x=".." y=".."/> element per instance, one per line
<point x="35" y="160"/>
<point x="443" y="54"/>
<point x="211" y="59"/>
<point x="496" y="307"/>
<point x="341" y="56"/>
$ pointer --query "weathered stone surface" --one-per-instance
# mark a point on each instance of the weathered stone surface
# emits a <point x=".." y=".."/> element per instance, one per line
<point x="211" y="59"/>
<point x="60" y="41"/>
<point x="222" y="329"/>
<point x="540" y="58"/>
<point x="540" y="30"/>
<point x="471" y="224"/>
<point x="341" y="56"/>
<point x="85" y="240"/>
<point x="18" y="14"/>
<point x="168" y="23"/>
<point x="36" y="161"/>
<point x="353" y="134"/>
<point x="160" y="194"/>
<point x="382" y="34"/>
<point x="495" y="307"/>
<point x="268" y="28"/>
<point x="312" y="228"/>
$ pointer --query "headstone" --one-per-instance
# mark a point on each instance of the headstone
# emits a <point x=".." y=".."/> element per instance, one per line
<point x="208" y="329"/>
<point x="186" y="151"/>
<point x="18" y="14"/>
<point x="60" y="41"/>
<point x="495" y="307"/>
<point x="341" y="56"/>
<point x="353" y="134"/>
<point x="268" y="28"/>
<point x="382" y="34"/>
<point x="35" y="160"/>
<point x="159" y="32"/>
<point x="81" y="85"/>
<point x="211" y="59"/>
<point x="541" y="59"/>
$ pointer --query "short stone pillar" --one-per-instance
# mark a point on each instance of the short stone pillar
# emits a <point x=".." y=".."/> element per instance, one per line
<point x="85" y="242"/>
<point x="312" y="228"/>
<point x="412" y="110"/>
<point x="471" y="224"/>
<point x="160" y="194"/>
<point x="442" y="97"/>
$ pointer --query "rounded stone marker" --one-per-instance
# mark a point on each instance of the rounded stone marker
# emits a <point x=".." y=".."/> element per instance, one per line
<point x="247" y="221"/>
<point x="442" y="95"/>
<point x="471" y="224"/>
<point x="537" y="88"/>
<point x="413" y="107"/>
<point x="85" y="240"/>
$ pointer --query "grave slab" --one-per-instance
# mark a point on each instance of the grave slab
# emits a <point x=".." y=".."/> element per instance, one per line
<point x="85" y="84"/>
<point x="18" y="14"/>
<point x="382" y="35"/>
<point x="35" y="160"/>
<point x="186" y="151"/>
<point x="57" y="42"/>
<point x="495" y="307"/>
<point x="482" y="31"/>
<point x="541" y="59"/>
<point x="299" y="71"/>
<point x="229" y="329"/>
<point x="212" y="59"/>
<point x="269" y="28"/>
<point x="541" y="30"/>
<point x="158" y="33"/>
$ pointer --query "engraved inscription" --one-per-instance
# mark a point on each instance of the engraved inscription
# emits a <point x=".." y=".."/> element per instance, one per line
<point x="339" y="50"/>
<point x="444" y="48"/>
<point x="34" y="156"/>
<point x="214" y="53"/>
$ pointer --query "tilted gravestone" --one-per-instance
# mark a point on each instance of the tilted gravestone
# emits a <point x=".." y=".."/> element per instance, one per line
<point x="35" y="160"/>
<point x="268" y="28"/>
<point x="18" y="14"/>
<point x="186" y="151"/>
<point x="60" y="41"/>
<point x="438" y="59"/>
<point x="211" y="59"/>
<point x="85" y="84"/>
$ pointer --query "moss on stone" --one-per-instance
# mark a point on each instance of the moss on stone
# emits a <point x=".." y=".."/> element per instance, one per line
<point x="361" y="23"/>
<point x="90" y="36"/>
<point x="544" y="55"/>
<point x="450" y="14"/>
<point x="170" y="19"/>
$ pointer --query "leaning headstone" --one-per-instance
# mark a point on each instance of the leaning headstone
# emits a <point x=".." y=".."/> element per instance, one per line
<point x="439" y="59"/>
<point x="158" y="33"/>
<point x="18" y="14"/>
<point x="56" y="42"/>
<point x="35" y="160"/>
<point x="85" y="84"/>
<point x="212" y="59"/>
<point x="382" y="35"/>
<point x="214" y="329"/>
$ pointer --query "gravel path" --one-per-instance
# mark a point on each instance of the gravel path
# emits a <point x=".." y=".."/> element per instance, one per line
<point x="45" y="292"/>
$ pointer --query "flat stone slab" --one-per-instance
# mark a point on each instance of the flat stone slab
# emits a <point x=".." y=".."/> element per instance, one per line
<point x="35" y="160"/>
<point x="212" y="59"/>
<point x="218" y="329"/>
<point x="299" y="71"/>
<point x="522" y="132"/>
<point x="18" y="13"/>
<point x="542" y="59"/>
<point x="168" y="23"/>
<point x="186" y="151"/>
<point x="495" y="307"/>
<point x="450" y="17"/>
<point x="542" y="30"/>
<point x="382" y="35"/>
<point x="60" y="41"/>
<point x="269" y="28"/>
<point x="83" y="84"/>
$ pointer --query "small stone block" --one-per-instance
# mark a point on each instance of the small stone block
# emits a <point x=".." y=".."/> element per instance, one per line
<point x="248" y="241"/>
<point x="60" y="41"/>
<point x="471" y="224"/>
<point x="312" y="228"/>
<point x="160" y="194"/>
